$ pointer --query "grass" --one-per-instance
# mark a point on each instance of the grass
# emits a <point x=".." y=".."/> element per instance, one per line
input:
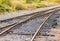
<point x="13" y="5"/>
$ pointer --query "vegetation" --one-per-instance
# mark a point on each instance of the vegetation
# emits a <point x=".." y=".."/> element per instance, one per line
<point x="13" y="5"/>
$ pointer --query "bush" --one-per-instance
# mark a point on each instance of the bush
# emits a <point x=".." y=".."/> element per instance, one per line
<point x="4" y="5"/>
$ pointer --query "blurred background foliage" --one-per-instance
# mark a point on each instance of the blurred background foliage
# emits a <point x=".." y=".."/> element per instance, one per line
<point x="13" y="5"/>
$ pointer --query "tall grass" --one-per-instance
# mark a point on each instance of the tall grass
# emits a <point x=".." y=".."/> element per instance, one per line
<point x="13" y="5"/>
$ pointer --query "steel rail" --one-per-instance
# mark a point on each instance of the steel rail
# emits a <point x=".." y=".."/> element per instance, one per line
<point x="19" y="23"/>
<point x="44" y="13"/>
<point x="33" y="12"/>
<point x="41" y="26"/>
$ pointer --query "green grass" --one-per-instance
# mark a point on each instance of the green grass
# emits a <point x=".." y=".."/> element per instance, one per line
<point x="15" y="5"/>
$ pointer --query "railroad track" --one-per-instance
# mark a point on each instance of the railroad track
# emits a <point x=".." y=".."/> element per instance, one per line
<point x="12" y="21"/>
<point x="9" y="22"/>
<point x="41" y="27"/>
<point x="48" y="13"/>
<point x="26" y="13"/>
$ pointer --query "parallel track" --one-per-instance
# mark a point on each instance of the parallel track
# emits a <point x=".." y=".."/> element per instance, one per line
<point x="30" y="18"/>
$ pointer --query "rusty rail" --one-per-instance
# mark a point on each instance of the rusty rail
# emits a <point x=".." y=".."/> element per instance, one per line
<point x="33" y="16"/>
<point x="41" y="26"/>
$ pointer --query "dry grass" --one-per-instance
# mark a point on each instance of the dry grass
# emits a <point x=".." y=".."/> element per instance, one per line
<point x="13" y="5"/>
